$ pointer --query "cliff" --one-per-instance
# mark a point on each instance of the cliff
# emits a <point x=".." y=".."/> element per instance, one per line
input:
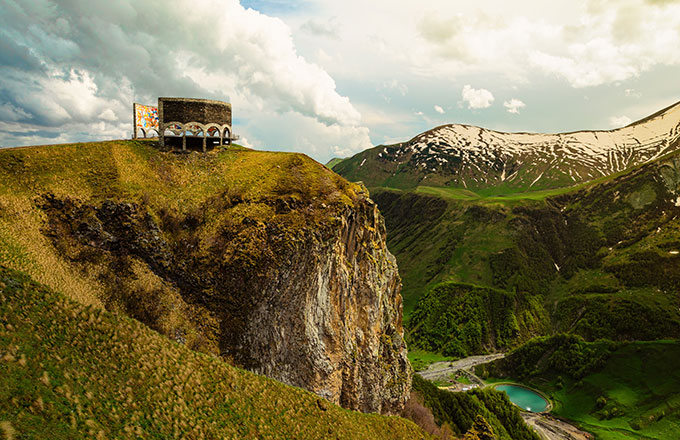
<point x="267" y="259"/>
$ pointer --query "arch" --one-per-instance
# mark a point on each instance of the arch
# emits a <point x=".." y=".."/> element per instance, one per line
<point x="213" y="130"/>
<point x="137" y="130"/>
<point x="194" y="129"/>
<point x="152" y="133"/>
<point x="177" y="128"/>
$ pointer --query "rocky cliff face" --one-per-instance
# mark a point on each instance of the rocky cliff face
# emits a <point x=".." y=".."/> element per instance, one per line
<point x="338" y="306"/>
<point x="295" y="282"/>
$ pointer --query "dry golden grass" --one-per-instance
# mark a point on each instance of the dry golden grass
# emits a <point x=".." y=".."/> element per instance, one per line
<point x="71" y="371"/>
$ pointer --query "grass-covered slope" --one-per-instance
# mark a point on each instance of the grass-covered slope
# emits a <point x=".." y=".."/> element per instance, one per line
<point x="124" y="226"/>
<point x="604" y="259"/>
<point x="461" y="319"/>
<point x="626" y="390"/>
<point x="69" y="371"/>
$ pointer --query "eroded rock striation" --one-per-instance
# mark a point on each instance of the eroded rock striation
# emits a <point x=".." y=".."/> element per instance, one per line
<point x="339" y="309"/>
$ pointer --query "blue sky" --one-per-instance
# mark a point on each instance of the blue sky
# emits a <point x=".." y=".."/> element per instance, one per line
<point x="332" y="78"/>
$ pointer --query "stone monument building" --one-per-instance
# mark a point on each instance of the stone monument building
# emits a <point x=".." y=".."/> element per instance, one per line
<point x="186" y="122"/>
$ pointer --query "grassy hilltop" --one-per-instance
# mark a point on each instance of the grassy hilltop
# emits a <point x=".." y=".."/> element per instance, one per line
<point x="94" y="234"/>
<point x="53" y="199"/>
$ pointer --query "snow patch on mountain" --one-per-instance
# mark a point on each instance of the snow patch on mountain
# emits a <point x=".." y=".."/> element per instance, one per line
<point x="472" y="153"/>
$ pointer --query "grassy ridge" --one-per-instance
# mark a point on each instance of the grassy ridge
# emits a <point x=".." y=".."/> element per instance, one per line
<point x="69" y="371"/>
<point x="615" y="390"/>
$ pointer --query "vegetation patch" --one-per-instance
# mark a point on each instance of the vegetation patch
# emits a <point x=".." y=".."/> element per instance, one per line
<point x="69" y="371"/>
<point x="614" y="390"/>
<point x="461" y="319"/>
<point x="460" y="411"/>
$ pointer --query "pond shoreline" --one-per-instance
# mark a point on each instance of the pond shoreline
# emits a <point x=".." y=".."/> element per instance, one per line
<point x="549" y="404"/>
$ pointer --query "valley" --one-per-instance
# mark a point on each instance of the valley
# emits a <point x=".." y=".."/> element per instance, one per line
<point x="490" y="263"/>
<point x="274" y="271"/>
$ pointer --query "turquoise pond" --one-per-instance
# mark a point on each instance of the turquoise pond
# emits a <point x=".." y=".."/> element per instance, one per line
<point x="524" y="398"/>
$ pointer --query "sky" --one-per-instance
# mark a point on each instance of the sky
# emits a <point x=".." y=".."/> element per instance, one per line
<point x="331" y="78"/>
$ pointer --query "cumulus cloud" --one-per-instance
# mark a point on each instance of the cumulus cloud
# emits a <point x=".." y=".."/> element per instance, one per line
<point x="514" y="105"/>
<point x="613" y="44"/>
<point x="73" y="66"/>
<point x="438" y="109"/>
<point x="619" y="121"/>
<point x="476" y="98"/>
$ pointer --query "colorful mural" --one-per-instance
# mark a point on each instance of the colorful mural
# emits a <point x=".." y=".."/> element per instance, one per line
<point x="146" y="117"/>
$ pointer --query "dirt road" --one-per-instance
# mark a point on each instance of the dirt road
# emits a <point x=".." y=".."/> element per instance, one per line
<point x="442" y="370"/>
<point x="551" y="428"/>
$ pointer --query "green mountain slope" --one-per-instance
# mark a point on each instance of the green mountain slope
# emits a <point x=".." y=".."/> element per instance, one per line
<point x="604" y="259"/>
<point x="626" y="390"/>
<point x="69" y="371"/>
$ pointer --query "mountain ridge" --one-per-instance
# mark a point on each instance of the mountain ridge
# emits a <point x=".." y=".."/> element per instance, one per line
<point x="469" y="157"/>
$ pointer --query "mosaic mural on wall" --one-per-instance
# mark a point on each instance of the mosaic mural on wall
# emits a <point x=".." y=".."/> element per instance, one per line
<point x="146" y="117"/>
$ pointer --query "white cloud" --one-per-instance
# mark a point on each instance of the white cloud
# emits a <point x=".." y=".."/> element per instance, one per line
<point x="438" y="109"/>
<point x="632" y="93"/>
<point x="269" y="67"/>
<point x="476" y="98"/>
<point x="619" y="121"/>
<point x="513" y="105"/>
<point x="328" y="29"/>
<point x="90" y="60"/>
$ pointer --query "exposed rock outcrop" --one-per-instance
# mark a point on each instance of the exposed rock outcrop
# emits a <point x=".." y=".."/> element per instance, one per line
<point x="309" y="296"/>
<point x="339" y="309"/>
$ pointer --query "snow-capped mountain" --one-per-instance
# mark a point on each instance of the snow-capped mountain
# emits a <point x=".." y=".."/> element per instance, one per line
<point x="472" y="157"/>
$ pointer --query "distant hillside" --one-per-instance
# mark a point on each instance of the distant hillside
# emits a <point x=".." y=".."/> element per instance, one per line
<point x="333" y="162"/>
<point x="495" y="163"/>
<point x="69" y="371"/>
<point x="603" y="260"/>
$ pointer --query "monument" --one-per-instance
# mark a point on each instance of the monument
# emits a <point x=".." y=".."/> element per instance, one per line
<point x="183" y="123"/>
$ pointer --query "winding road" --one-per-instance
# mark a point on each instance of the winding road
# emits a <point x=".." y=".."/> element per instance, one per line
<point x="442" y="370"/>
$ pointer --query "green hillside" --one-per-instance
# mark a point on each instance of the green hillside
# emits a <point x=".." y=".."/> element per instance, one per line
<point x="627" y="390"/>
<point x="600" y="260"/>
<point x="69" y="371"/>
<point x="333" y="162"/>
<point x="461" y="319"/>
